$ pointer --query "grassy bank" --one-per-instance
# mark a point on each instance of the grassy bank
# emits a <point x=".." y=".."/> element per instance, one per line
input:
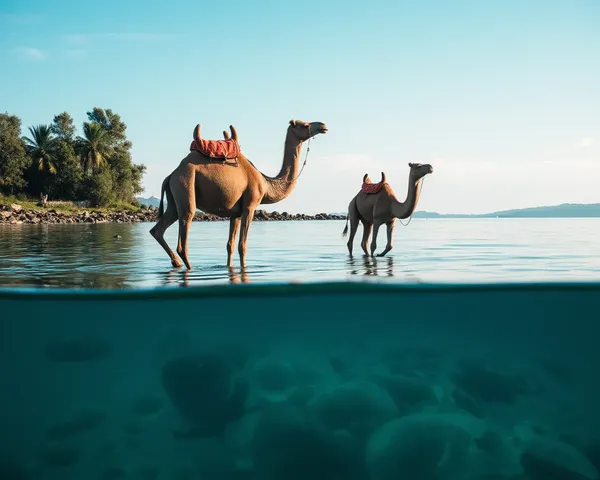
<point x="64" y="206"/>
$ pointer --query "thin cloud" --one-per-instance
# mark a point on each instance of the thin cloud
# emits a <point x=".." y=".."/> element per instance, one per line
<point x="30" y="53"/>
<point x="585" y="142"/>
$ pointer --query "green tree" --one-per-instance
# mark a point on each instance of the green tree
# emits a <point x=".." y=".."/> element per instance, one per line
<point x="64" y="127"/>
<point x="99" y="188"/>
<point x="41" y="147"/>
<point x="127" y="177"/>
<point x="67" y="184"/>
<point x="13" y="156"/>
<point x="94" y="146"/>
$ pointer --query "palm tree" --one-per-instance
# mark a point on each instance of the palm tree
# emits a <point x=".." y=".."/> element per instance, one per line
<point x="41" y="147"/>
<point x="94" y="146"/>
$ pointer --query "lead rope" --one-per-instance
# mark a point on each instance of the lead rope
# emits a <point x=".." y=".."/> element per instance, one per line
<point x="305" y="159"/>
<point x="418" y="195"/>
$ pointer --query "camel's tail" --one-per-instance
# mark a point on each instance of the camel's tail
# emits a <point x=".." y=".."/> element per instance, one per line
<point x="345" y="232"/>
<point x="163" y="188"/>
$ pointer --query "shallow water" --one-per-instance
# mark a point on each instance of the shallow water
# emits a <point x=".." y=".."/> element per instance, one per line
<point x="420" y="383"/>
<point x="410" y="382"/>
<point x="439" y="250"/>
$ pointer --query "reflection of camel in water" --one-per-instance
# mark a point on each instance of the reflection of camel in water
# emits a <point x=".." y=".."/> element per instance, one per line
<point x="205" y="180"/>
<point x="376" y="205"/>
<point x="370" y="266"/>
<point x="182" y="279"/>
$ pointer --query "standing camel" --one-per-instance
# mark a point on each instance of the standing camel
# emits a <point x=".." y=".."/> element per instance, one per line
<point x="376" y="204"/>
<point x="206" y="180"/>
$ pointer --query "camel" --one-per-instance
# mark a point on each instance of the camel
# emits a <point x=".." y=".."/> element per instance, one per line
<point x="376" y="204"/>
<point x="206" y="179"/>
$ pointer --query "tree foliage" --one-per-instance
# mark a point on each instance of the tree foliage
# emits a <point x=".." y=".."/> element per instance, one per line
<point x="13" y="156"/>
<point x="95" y="166"/>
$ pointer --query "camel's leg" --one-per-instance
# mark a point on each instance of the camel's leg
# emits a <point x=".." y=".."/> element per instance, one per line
<point x="390" y="231"/>
<point x="234" y="227"/>
<point x="376" y="225"/>
<point x="353" y="229"/>
<point x="168" y="218"/>
<point x="365" y="238"/>
<point x="186" y="215"/>
<point x="246" y="220"/>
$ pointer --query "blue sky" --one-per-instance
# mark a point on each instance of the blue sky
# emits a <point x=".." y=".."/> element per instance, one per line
<point x="502" y="97"/>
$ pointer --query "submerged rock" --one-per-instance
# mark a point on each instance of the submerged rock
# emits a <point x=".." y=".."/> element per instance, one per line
<point x="358" y="407"/>
<point x="288" y="445"/>
<point x="204" y="391"/>
<point x="422" y="446"/>
<point x="487" y="385"/>
<point x="547" y="459"/>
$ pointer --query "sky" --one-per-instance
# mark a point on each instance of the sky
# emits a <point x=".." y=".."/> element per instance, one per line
<point x="502" y="97"/>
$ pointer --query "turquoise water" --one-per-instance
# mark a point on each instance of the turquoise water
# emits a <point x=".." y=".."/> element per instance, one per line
<point x="342" y="382"/>
<point x="396" y="379"/>
<point x="425" y="251"/>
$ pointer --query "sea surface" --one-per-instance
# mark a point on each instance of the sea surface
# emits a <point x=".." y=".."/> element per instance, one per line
<point x="427" y="250"/>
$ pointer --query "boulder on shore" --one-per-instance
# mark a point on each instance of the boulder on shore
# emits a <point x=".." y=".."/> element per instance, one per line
<point x="16" y="214"/>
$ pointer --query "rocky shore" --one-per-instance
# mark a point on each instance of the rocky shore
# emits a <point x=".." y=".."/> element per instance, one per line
<point x="16" y="214"/>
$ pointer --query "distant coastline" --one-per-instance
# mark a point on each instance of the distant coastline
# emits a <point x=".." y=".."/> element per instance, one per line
<point x="565" y="210"/>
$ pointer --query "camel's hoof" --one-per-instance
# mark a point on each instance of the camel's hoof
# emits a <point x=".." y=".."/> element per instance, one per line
<point x="175" y="263"/>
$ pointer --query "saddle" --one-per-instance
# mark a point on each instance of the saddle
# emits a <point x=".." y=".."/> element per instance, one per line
<point x="369" y="188"/>
<point x="217" y="150"/>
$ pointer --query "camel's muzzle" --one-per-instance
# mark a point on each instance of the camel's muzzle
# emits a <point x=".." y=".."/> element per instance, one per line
<point x="322" y="128"/>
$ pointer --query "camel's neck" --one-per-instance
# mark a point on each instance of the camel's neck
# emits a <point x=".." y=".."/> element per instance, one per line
<point x="405" y="209"/>
<point x="282" y="185"/>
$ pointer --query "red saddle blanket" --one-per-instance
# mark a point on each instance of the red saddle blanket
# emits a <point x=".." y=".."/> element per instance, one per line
<point x="217" y="148"/>
<point x="372" y="187"/>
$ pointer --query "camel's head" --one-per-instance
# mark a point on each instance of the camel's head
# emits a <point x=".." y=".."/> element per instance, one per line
<point x="302" y="131"/>
<point x="419" y="170"/>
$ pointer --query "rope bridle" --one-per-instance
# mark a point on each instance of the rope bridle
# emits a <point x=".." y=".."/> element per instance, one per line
<point x="305" y="158"/>
<point x="418" y="195"/>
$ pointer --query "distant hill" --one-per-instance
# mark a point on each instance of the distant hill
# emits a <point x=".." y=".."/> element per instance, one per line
<point x="566" y="210"/>
<point x="149" y="202"/>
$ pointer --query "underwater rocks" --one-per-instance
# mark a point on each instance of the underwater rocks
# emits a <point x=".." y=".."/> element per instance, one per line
<point x="15" y="214"/>
<point x="357" y="407"/>
<point x="418" y="446"/>
<point x="205" y="392"/>
<point x="289" y="445"/>
<point x="80" y="423"/>
<point x="483" y="384"/>
<point x="547" y="459"/>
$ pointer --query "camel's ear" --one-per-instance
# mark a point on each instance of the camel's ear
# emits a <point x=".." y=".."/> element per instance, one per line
<point x="411" y="165"/>
<point x="293" y="123"/>
<point x="234" y="134"/>
<point x="225" y="135"/>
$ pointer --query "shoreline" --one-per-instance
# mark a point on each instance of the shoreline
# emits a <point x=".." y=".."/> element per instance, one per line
<point x="15" y="214"/>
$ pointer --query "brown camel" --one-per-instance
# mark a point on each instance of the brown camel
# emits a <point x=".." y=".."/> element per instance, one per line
<point x="205" y="179"/>
<point x="376" y="204"/>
